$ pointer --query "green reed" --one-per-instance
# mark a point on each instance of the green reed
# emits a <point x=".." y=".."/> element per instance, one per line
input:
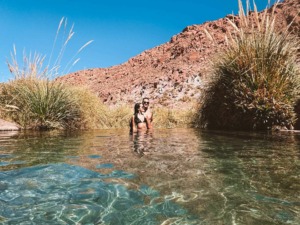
<point x="256" y="79"/>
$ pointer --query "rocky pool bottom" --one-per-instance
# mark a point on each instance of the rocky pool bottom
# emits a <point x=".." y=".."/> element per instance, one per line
<point x="172" y="176"/>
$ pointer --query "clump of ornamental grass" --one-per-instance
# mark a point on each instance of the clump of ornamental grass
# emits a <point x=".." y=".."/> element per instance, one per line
<point x="35" y="101"/>
<point x="39" y="104"/>
<point x="91" y="109"/>
<point x="172" y="118"/>
<point x="256" y="79"/>
<point x="93" y="114"/>
<point x="118" y="116"/>
<point x="44" y="104"/>
<point x="101" y="116"/>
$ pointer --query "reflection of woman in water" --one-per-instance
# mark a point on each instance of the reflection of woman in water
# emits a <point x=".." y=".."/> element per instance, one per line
<point x="139" y="121"/>
<point x="142" y="142"/>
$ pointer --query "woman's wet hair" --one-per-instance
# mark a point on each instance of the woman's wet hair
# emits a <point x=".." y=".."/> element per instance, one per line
<point x="137" y="107"/>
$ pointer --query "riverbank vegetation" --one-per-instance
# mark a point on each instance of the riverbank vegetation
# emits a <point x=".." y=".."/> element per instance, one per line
<point x="39" y="103"/>
<point x="35" y="101"/>
<point x="256" y="81"/>
<point x="43" y="104"/>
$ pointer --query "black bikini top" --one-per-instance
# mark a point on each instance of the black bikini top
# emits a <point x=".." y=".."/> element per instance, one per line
<point x="138" y="120"/>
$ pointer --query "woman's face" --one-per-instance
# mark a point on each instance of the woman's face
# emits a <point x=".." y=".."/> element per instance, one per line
<point x="141" y="109"/>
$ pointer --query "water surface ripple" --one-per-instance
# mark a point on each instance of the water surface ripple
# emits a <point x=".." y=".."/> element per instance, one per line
<point x="172" y="176"/>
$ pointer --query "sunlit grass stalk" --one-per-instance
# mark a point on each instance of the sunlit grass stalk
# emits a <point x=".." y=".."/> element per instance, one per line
<point x="67" y="35"/>
<point x="32" y="67"/>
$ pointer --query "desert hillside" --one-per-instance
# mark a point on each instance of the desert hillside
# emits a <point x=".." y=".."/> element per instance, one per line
<point x="175" y="72"/>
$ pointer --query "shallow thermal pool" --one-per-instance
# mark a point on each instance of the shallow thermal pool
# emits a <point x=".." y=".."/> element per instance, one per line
<point x="170" y="176"/>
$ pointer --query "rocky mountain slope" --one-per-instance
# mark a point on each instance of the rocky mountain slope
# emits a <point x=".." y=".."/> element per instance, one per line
<point x="175" y="72"/>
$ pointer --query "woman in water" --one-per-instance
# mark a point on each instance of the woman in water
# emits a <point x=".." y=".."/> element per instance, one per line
<point x="139" y="121"/>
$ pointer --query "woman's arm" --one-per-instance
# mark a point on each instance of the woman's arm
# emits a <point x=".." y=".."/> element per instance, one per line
<point x="134" y="128"/>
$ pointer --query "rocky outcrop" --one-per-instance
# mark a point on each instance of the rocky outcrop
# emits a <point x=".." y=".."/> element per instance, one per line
<point x="173" y="73"/>
<point x="8" y="126"/>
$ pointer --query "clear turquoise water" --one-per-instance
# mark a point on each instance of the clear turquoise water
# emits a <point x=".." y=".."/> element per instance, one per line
<point x="173" y="176"/>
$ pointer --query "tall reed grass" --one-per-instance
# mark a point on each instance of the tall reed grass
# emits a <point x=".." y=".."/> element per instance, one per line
<point x="40" y="104"/>
<point x="165" y="117"/>
<point x="35" y="101"/>
<point x="256" y="79"/>
<point x="44" y="104"/>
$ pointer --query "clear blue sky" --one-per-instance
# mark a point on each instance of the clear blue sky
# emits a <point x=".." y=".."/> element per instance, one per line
<point x="119" y="29"/>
